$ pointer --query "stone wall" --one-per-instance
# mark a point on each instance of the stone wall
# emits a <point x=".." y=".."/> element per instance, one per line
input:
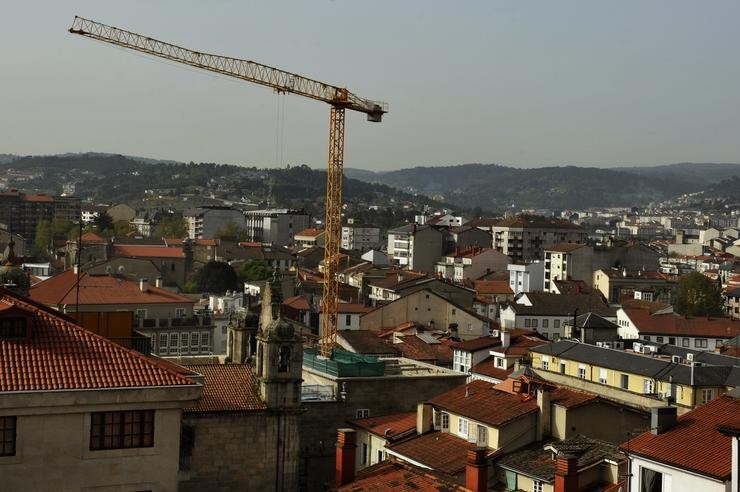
<point x="242" y="451"/>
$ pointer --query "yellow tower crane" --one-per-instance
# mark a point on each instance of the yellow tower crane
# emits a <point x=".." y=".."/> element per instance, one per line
<point x="339" y="98"/>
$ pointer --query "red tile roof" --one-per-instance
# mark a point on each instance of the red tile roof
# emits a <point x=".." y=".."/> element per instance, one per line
<point x="406" y="325"/>
<point x="310" y="232"/>
<point x="673" y="324"/>
<point x="492" y="287"/>
<point x="487" y="367"/>
<point x="565" y="247"/>
<point x="413" y="347"/>
<point x="59" y="355"/>
<point x="569" y="398"/>
<point x="480" y="401"/>
<point x="149" y="251"/>
<point x="440" y="451"/>
<point x="388" y="426"/>
<point x="297" y="302"/>
<point x="99" y="289"/>
<point x="695" y="443"/>
<point x="400" y="477"/>
<point x="91" y="237"/>
<point x="38" y="198"/>
<point x="226" y="388"/>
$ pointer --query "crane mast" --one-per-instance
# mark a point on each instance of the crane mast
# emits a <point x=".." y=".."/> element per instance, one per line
<point x="339" y="98"/>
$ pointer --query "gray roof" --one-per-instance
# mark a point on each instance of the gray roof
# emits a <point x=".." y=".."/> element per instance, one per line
<point x="649" y="367"/>
<point x="546" y="304"/>
<point x="593" y="320"/>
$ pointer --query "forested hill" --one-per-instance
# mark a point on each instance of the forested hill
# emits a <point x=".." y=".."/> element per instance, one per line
<point x="496" y="187"/>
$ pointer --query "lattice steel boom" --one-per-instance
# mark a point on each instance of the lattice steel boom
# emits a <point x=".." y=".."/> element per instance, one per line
<point x="339" y="98"/>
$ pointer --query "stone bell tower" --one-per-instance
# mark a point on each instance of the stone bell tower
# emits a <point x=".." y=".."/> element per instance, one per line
<point x="279" y="354"/>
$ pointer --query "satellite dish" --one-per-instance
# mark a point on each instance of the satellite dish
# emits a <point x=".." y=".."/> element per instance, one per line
<point x="121" y="269"/>
<point x="108" y="269"/>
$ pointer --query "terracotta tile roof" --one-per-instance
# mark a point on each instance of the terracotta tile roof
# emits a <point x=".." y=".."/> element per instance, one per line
<point x="572" y="287"/>
<point x="413" y="347"/>
<point x="59" y="355"/>
<point x="38" y="198"/>
<point x="651" y="307"/>
<point x="99" y="289"/>
<point x="440" y="451"/>
<point x="487" y="367"/>
<point x="484" y="403"/>
<point x="406" y="325"/>
<point x="476" y="344"/>
<point x="674" y="324"/>
<point x="492" y="287"/>
<point x="401" y="477"/>
<point x="310" y="232"/>
<point x="388" y="426"/>
<point x="91" y="237"/>
<point x="151" y="251"/>
<point x="569" y="398"/>
<point x="226" y="388"/>
<point x="695" y="430"/>
<point x="297" y="302"/>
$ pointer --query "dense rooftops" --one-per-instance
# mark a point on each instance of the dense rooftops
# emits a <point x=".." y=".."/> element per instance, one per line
<point x="226" y="388"/>
<point x="536" y="222"/>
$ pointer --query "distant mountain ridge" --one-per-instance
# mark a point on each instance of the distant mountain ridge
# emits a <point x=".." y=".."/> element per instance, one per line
<point x="497" y="187"/>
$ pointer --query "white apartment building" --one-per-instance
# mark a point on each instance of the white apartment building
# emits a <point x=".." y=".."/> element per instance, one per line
<point x="360" y="237"/>
<point x="567" y="261"/>
<point x="203" y="222"/>
<point x="471" y="263"/>
<point x="416" y="247"/>
<point x="526" y="278"/>
<point x="275" y="226"/>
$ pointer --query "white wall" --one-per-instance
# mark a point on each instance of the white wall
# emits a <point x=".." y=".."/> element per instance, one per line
<point x="675" y="480"/>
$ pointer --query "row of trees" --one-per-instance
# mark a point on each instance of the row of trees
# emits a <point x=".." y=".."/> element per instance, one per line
<point x="217" y="277"/>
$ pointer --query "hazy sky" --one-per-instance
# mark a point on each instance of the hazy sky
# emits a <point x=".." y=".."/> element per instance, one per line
<point x="517" y="83"/>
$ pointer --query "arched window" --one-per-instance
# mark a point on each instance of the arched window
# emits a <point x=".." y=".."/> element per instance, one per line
<point x="284" y="359"/>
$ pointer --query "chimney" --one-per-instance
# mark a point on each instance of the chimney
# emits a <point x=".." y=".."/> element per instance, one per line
<point x="543" y="413"/>
<point x="424" y="418"/>
<point x="476" y="470"/>
<point x="144" y="284"/>
<point x="505" y="338"/>
<point x="158" y="282"/>
<point x="346" y="448"/>
<point x="566" y="473"/>
<point x="662" y="419"/>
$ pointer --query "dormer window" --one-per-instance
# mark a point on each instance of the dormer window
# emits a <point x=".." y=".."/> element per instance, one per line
<point x="13" y="327"/>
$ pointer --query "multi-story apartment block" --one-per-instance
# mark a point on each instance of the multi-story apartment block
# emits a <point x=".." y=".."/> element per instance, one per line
<point x="471" y="263"/>
<point x="20" y="213"/>
<point x="203" y="222"/>
<point x="360" y="237"/>
<point x="525" y="237"/>
<point x="620" y="284"/>
<point x="567" y="261"/>
<point x="67" y="208"/>
<point x="275" y="226"/>
<point x="527" y="277"/>
<point x="416" y="247"/>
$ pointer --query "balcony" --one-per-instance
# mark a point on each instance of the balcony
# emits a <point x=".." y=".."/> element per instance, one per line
<point x="181" y="322"/>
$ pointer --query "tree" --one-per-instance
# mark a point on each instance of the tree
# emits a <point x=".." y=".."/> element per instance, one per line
<point x="217" y="277"/>
<point x="171" y="227"/>
<point x="42" y="241"/>
<point x="231" y="230"/>
<point x="252" y="270"/>
<point x="698" y="295"/>
<point x="103" y="222"/>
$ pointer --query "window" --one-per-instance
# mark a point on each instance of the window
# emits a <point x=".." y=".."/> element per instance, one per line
<point x="205" y="342"/>
<point x="141" y="314"/>
<point x="284" y="358"/>
<point x="482" y="437"/>
<point x="707" y="395"/>
<point x="527" y="323"/>
<point x="162" y="343"/>
<point x="562" y="368"/>
<point x="672" y="340"/>
<point x="646" y="338"/>
<point x="534" y="323"/>
<point x="445" y="421"/>
<point x="462" y="427"/>
<point x="179" y="312"/>
<point x="659" y="339"/>
<point x="362" y="413"/>
<point x="194" y="339"/>
<point x="602" y="375"/>
<point x="684" y="342"/>
<point x="650" y="480"/>
<point x="700" y="342"/>
<point x="624" y="382"/>
<point x="183" y="343"/>
<point x="545" y="363"/>
<point x="500" y="362"/>
<point x="120" y="430"/>
<point x="581" y="371"/>
<point x="545" y="323"/>
<point x="7" y="436"/>
<point x="647" y="386"/>
<point x="556" y="323"/>
<point x="537" y="486"/>
<point x="555" y="336"/>
<point x="173" y="343"/>
<point x="363" y="455"/>
<point x="348" y="320"/>
<point x="380" y="456"/>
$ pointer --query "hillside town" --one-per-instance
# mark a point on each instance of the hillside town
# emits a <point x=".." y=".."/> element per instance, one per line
<point x="540" y="350"/>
